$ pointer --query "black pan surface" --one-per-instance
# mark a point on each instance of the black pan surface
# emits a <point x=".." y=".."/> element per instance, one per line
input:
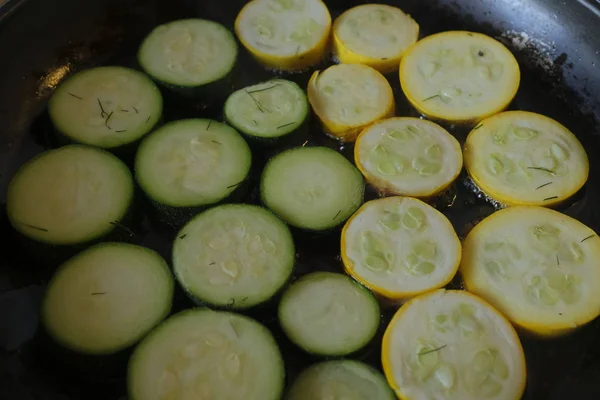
<point x="41" y="42"/>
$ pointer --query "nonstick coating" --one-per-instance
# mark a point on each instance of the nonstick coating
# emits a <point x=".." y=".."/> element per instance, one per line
<point x="41" y="42"/>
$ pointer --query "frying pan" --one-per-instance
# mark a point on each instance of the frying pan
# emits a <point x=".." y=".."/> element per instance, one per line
<point x="556" y="42"/>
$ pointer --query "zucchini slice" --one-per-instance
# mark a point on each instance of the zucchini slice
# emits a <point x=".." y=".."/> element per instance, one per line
<point x="205" y="354"/>
<point x="452" y="345"/>
<point x="188" y="54"/>
<point x="70" y="195"/>
<point x="536" y="265"/>
<point x="191" y="163"/>
<point x="340" y="379"/>
<point x="400" y="247"/>
<point x="408" y="156"/>
<point x="349" y="97"/>
<point x="107" y="107"/>
<point x="107" y="297"/>
<point x="329" y="314"/>
<point x="523" y="158"/>
<point x="375" y="35"/>
<point x="289" y="35"/>
<point x="268" y="110"/>
<point x="312" y="188"/>
<point x="234" y="256"/>
<point x="459" y="77"/>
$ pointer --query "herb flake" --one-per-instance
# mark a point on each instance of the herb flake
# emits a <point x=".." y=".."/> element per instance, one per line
<point x="544" y="185"/>
<point x="183" y="236"/>
<point x="431" y="97"/>
<point x="542" y="169"/>
<point x="432" y="350"/>
<point x="34" y="227"/>
<point x="263" y="89"/>
<point x="120" y="225"/>
<point x="551" y="198"/>
<point x="74" y="95"/>
<point x="284" y="125"/>
<point x="98" y="293"/>
<point x="586" y="238"/>
<point x="338" y="213"/>
<point x="235" y="184"/>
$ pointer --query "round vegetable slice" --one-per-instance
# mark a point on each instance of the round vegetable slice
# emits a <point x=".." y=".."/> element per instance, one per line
<point x="452" y="345"/>
<point x="340" y="379"/>
<point x="106" y="107"/>
<point x="205" y="354"/>
<point x="375" y="35"/>
<point x="70" y="195"/>
<point x="313" y="188"/>
<point x="408" y="156"/>
<point x="459" y="76"/>
<point x="349" y="97"/>
<point x="188" y="53"/>
<point x="523" y="158"/>
<point x="400" y="247"/>
<point x="192" y="163"/>
<point x="234" y="256"/>
<point x="536" y="265"/>
<point x="268" y="110"/>
<point x="289" y="35"/>
<point x="107" y="298"/>
<point x="329" y="314"/>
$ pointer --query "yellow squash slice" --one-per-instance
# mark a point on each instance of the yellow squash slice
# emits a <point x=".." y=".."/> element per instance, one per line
<point x="408" y="156"/>
<point x="289" y="35"/>
<point x="373" y="34"/>
<point x="539" y="267"/>
<point x="400" y="247"/>
<point x="452" y="345"/>
<point x="519" y="157"/>
<point x="459" y="76"/>
<point x="349" y="97"/>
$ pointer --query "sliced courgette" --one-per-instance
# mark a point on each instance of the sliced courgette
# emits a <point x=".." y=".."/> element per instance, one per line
<point x="205" y="354"/>
<point x="375" y="35"/>
<point x="312" y="188"/>
<point x="268" y="110"/>
<point x="459" y="77"/>
<point x="234" y="256"/>
<point x="190" y="164"/>
<point x="107" y="298"/>
<point x="190" y="55"/>
<point x="519" y="157"/>
<point x="329" y="314"/>
<point x="107" y="107"/>
<point x="408" y="156"/>
<point x="70" y="195"/>
<point x="289" y="35"/>
<point x="536" y="265"/>
<point x="400" y="247"/>
<point x="340" y="379"/>
<point x="452" y="345"/>
<point x="349" y="97"/>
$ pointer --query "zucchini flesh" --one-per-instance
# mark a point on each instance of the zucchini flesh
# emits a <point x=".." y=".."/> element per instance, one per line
<point x="452" y="345"/>
<point x="205" y="354"/>
<point x="267" y="110"/>
<point x="313" y="188"/>
<point x="340" y="379"/>
<point x="107" y="297"/>
<point x="192" y="163"/>
<point x="106" y="107"/>
<point x="233" y="256"/>
<point x="85" y="192"/>
<point x="329" y="314"/>
<point x="283" y="27"/>
<point x="188" y="53"/>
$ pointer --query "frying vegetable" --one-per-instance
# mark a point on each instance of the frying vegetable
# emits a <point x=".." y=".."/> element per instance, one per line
<point x="519" y="157"/>
<point x="329" y="314"/>
<point x="408" y="156"/>
<point x="452" y="345"/>
<point x="107" y="298"/>
<point x="400" y="247"/>
<point x="537" y="266"/>
<point x="376" y="35"/>
<point x="188" y="165"/>
<point x="459" y="76"/>
<point x="289" y="35"/>
<point x="205" y="354"/>
<point x="312" y="188"/>
<point x="107" y="107"/>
